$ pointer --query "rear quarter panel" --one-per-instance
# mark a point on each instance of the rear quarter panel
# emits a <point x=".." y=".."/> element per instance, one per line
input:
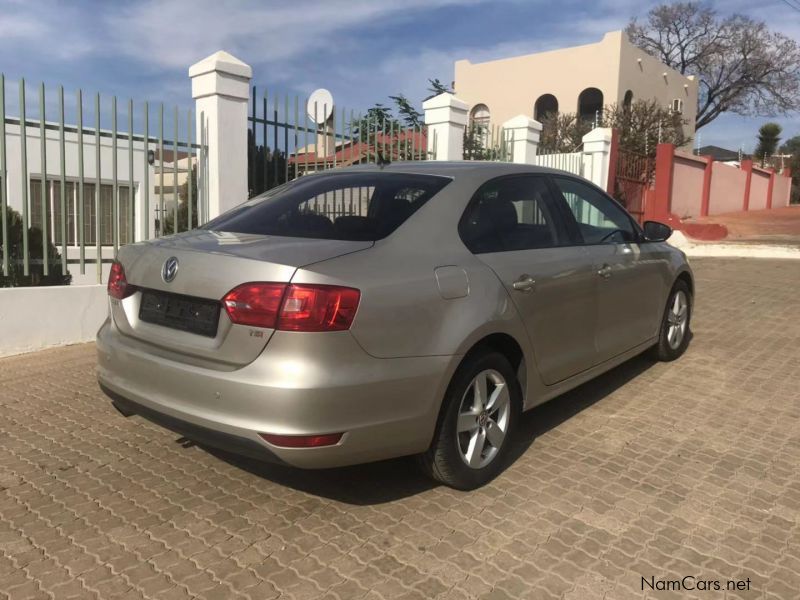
<point x="403" y="312"/>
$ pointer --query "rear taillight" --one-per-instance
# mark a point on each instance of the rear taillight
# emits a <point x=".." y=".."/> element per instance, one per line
<point x="118" y="286"/>
<point x="289" y="307"/>
<point x="318" y="308"/>
<point x="255" y="304"/>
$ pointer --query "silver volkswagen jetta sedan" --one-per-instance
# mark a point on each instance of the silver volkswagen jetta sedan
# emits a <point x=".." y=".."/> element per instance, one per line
<point x="374" y="312"/>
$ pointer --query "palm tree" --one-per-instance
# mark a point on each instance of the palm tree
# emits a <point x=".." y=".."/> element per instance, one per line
<point x="769" y="135"/>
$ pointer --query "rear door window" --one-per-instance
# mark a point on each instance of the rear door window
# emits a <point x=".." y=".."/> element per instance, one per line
<point x="511" y="213"/>
<point x="343" y="206"/>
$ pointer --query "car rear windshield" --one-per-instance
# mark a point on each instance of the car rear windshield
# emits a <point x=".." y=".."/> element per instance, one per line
<point x="344" y="206"/>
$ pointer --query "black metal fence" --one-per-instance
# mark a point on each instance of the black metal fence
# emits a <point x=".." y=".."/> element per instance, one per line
<point x="288" y="138"/>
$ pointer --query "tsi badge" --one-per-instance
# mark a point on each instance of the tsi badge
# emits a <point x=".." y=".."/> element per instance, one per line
<point x="170" y="269"/>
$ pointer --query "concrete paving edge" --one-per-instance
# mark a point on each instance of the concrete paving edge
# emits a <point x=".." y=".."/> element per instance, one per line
<point x="722" y="250"/>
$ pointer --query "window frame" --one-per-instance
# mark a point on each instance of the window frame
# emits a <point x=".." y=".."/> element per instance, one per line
<point x="563" y="235"/>
<point x="53" y="185"/>
<point x="483" y="120"/>
<point x="571" y="223"/>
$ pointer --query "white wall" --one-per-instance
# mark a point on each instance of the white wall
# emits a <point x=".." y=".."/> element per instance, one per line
<point x="33" y="318"/>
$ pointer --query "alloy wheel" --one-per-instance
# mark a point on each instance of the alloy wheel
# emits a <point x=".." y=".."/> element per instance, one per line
<point x="677" y="319"/>
<point x="483" y="418"/>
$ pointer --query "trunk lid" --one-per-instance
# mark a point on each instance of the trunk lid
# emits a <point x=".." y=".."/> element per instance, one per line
<point x="184" y="317"/>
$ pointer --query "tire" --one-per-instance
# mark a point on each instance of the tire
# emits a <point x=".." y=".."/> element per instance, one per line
<point x="674" y="333"/>
<point x="469" y="459"/>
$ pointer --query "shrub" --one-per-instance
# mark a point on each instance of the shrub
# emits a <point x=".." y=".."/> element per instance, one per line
<point x="36" y="276"/>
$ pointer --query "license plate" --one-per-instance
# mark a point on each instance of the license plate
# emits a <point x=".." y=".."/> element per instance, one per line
<point x="186" y="313"/>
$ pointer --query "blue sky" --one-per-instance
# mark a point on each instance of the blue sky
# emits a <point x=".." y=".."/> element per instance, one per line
<point x="362" y="50"/>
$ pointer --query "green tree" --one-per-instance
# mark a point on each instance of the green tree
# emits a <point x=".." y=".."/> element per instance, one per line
<point x="742" y="66"/>
<point x="378" y="119"/>
<point x="267" y="167"/>
<point x="16" y="255"/>
<point x="381" y="129"/>
<point x="562" y="132"/>
<point x="436" y="87"/>
<point x="769" y="136"/>
<point x="476" y="142"/>
<point x="642" y="126"/>
<point x="410" y="115"/>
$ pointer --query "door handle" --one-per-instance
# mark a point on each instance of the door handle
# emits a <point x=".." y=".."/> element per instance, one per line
<point x="525" y="283"/>
<point x="604" y="271"/>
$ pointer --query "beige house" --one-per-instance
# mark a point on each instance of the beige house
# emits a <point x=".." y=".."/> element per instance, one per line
<point x="581" y="79"/>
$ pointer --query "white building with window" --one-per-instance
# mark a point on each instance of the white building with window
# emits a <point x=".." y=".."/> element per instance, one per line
<point x="89" y="216"/>
<point x="581" y="80"/>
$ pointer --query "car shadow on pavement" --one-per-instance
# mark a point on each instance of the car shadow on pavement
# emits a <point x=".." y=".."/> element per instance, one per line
<point x="550" y="415"/>
<point x="391" y="480"/>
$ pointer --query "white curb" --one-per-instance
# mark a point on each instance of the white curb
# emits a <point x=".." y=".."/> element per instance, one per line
<point x="722" y="250"/>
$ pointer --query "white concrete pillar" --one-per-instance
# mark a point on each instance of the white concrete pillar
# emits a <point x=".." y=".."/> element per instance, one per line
<point x="597" y="155"/>
<point x="446" y="119"/>
<point x="221" y="90"/>
<point x="522" y="135"/>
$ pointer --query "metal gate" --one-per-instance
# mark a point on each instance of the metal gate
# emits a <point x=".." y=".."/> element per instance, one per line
<point x="633" y="177"/>
<point x="72" y="193"/>
<point x="289" y="137"/>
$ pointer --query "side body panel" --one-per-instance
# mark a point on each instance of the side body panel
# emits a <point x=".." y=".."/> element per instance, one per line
<point x="407" y="308"/>
<point x="559" y="310"/>
<point x="629" y="295"/>
<point x="383" y="381"/>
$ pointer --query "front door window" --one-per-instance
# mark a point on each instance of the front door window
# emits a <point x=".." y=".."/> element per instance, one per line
<point x="599" y="219"/>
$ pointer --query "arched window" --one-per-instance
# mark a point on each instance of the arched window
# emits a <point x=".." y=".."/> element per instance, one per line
<point x="590" y="104"/>
<point x="480" y="115"/>
<point x="627" y="100"/>
<point x="547" y="104"/>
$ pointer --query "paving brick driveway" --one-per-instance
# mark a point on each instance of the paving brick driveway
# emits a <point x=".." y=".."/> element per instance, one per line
<point x="656" y="470"/>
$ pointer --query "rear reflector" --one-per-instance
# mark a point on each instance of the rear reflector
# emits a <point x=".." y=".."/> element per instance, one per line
<point x="302" y="441"/>
<point x="118" y="286"/>
<point x="301" y="307"/>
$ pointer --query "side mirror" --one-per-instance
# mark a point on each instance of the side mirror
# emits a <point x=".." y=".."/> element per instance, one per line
<point x="656" y="232"/>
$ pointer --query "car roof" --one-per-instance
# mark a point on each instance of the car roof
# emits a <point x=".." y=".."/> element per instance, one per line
<point x="452" y="168"/>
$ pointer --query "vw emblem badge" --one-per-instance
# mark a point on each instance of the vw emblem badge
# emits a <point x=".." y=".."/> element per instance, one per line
<point x="170" y="269"/>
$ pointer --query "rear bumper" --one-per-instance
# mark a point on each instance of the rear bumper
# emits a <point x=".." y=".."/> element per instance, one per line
<point x="302" y="384"/>
<point x="196" y="433"/>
